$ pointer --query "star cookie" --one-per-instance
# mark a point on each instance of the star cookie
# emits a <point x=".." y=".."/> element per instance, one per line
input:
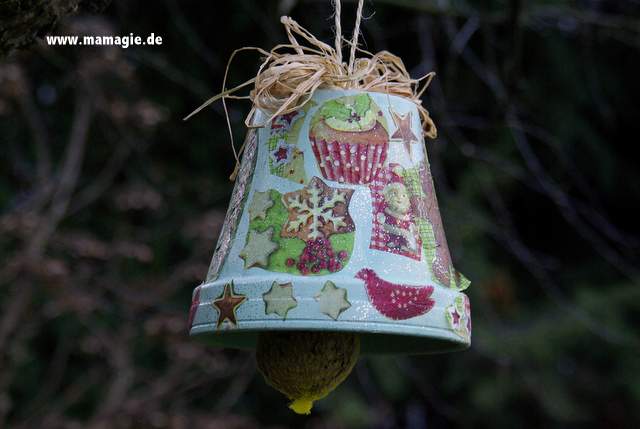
<point x="333" y="300"/>
<point x="260" y="204"/>
<point x="279" y="299"/>
<point x="258" y="248"/>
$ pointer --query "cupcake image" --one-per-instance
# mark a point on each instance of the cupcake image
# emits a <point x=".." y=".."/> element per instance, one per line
<point x="349" y="139"/>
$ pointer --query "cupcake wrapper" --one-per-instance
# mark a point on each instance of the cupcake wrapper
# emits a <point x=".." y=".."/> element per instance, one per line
<point x="349" y="163"/>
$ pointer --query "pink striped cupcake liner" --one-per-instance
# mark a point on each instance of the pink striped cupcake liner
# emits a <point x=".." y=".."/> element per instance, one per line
<point x="356" y="163"/>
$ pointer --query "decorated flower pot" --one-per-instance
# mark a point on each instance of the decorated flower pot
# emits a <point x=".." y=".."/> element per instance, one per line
<point x="333" y="225"/>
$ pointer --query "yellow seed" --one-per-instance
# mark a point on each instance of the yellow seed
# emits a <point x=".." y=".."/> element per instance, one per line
<point x="305" y="365"/>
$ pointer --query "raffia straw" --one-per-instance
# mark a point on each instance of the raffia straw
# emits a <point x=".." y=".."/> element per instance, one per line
<point x="290" y="74"/>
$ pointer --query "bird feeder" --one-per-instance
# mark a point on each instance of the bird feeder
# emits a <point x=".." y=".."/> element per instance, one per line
<point x="333" y="228"/>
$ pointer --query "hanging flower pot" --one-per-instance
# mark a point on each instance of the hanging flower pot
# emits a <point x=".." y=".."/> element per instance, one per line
<point x="333" y="243"/>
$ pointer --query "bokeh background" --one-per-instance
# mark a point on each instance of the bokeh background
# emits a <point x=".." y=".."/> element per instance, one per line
<point x="111" y="206"/>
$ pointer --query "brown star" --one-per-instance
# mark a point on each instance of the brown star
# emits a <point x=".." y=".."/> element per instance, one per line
<point x="404" y="132"/>
<point x="227" y="303"/>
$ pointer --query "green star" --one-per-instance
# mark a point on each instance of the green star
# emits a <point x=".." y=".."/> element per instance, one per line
<point x="333" y="300"/>
<point x="260" y="204"/>
<point x="279" y="299"/>
<point x="258" y="248"/>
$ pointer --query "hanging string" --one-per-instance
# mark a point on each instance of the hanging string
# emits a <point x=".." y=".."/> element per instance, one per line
<point x="354" y="37"/>
<point x="337" y="6"/>
<point x="290" y="74"/>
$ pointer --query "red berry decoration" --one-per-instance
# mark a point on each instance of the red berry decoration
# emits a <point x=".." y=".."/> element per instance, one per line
<point x="290" y="262"/>
<point x="319" y="255"/>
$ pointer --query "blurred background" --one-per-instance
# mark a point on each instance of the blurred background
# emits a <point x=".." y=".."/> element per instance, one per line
<point x="110" y="206"/>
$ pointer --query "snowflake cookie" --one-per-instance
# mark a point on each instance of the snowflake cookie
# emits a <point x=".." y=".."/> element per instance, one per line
<point x="317" y="211"/>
